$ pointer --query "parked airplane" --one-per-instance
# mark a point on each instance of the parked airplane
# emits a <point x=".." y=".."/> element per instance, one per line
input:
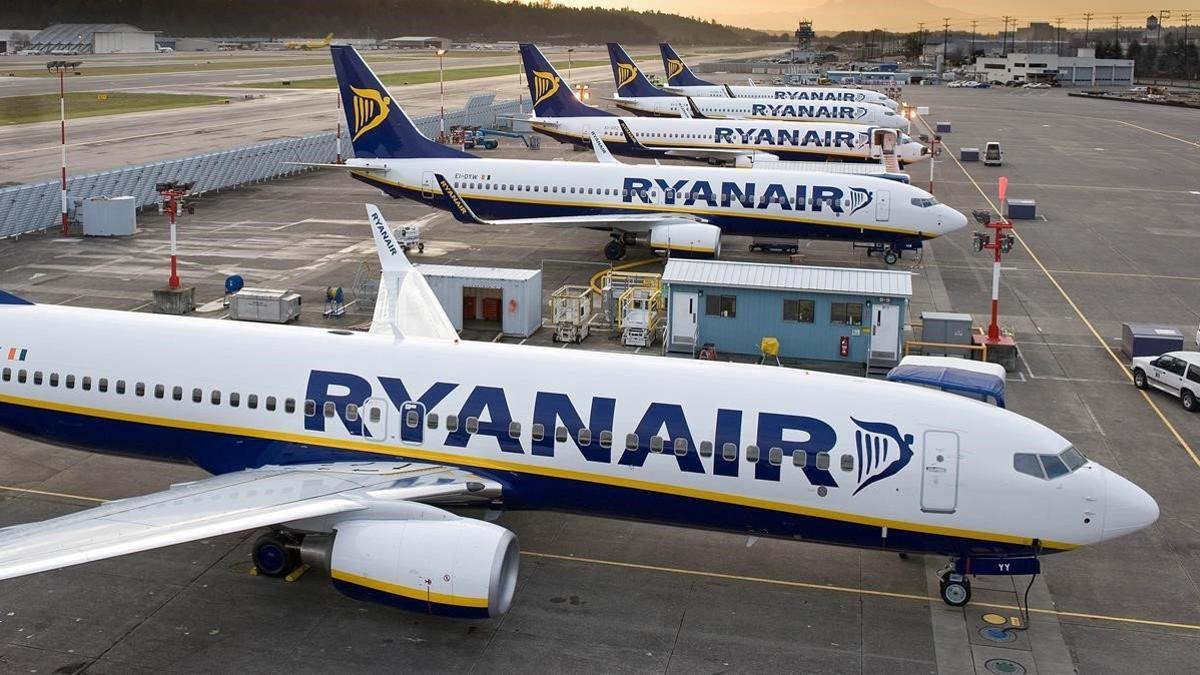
<point x="636" y="94"/>
<point x="681" y="80"/>
<point x="309" y="44"/>
<point x="349" y="461"/>
<point x="561" y="115"/>
<point x="671" y="208"/>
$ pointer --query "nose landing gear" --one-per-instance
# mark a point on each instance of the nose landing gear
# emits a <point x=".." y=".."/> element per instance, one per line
<point x="955" y="589"/>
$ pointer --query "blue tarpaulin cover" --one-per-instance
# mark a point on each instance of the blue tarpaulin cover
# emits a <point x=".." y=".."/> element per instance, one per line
<point x="951" y="379"/>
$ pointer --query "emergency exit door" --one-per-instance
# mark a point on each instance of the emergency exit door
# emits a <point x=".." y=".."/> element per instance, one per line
<point x="939" y="475"/>
<point x="412" y="422"/>
<point x="374" y="419"/>
<point x="428" y="182"/>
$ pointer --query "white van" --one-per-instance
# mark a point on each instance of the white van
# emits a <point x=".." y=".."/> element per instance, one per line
<point x="992" y="154"/>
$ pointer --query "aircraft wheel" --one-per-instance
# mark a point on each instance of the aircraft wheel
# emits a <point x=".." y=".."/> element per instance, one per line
<point x="614" y="250"/>
<point x="890" y="257"/>
<point x="955" y="593"/>
<point x="276" y="555"/>
<point x="1139" y="379"/>
<point x="421" y="248"/>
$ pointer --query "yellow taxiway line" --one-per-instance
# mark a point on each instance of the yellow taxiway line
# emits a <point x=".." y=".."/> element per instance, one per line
<point x="1082" y="317"/>
<point x="1157" y="133"/>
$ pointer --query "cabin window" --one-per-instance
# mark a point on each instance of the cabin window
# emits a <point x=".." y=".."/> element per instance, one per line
<point x="656" y="444"/>
<point x="235" y="399"/>
<point x="53" y="379"/>
<point x="823" y="461"/>
<point x="585" y="436"/>
<point x="706" y="448"/>
<point x="86" y="383"/>
<point x="847" y="462"/>
<point x="752" y="453"/>
<point x="330" y="408"/>
<point x="270" y="404"/>
<point x="631" y="441"/>
<point x="289" y="405"/>
<point x="846" y="313"/>
<point x="729" y="452"/>
<point x="102" y="385"/>
<point x="7" y="375"/>
<point x="721" y="305"/>
<point x="37" y="377"/>
<point x="606" y="439"/>
<point x="120" y="386"/>
<point x="139" y="389"/>
<point x="561" y="434"/>
<point x="351" y="412"/>
<point x="215" y="397"/>
<point x="537" y="431"/>
<point x="514" y="429"/>
<point x="70" y="380"/>
<point x="800" y="311"/>
<point x="681" y="447"/>
<point x="376" y="414"/>
<point x="159" y="391"/>
<point x="412" y="419"/>
<point x="472" y="425"/>
<point x="22" y="376"/>
<point x="775" y="456"/>
<point x="431" y="420"/>
<point x="197" y="395"/>
<point x="252" y="401"/>
<point x="310" y="408"/>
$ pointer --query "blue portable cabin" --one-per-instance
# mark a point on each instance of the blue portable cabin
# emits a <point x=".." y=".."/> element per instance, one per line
<point x="835" y="314"/>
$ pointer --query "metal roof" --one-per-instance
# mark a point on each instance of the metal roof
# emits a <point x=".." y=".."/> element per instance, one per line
<point x="465" y="272"/>
<point x="79" y="33"/>
<point x="730" y="274"/>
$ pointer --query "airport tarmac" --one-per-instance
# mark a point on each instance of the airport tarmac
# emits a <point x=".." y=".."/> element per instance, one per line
<point x="602" y="595"/>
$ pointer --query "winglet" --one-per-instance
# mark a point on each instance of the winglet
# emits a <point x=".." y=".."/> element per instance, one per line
<point x="729" y="91"/>
<point x="391" y="257"/>
<point x="10" y="299"/>
<point x="458" y="206"/>
<point x="630" y="139"/>
<point x="601" y="149"/>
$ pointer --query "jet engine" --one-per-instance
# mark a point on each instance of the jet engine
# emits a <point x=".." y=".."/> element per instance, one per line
<point x="462" y="568"/>
<point x="688" y="238"/>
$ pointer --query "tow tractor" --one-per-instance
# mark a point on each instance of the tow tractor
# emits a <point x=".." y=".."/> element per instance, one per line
<point x="409" y="237"/>
<point x="480" y="139"/>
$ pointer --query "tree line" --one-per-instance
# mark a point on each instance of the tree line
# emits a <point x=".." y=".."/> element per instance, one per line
<point x="478" y="20"/>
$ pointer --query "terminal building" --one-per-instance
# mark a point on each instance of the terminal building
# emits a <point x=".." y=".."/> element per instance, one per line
<point x="1083" y="69"/>
<point x="816" y="313"/>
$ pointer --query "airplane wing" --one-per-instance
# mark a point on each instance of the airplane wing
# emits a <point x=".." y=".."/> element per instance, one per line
<point x="229" y="503"/>
<point x="406" y="306"/>
<point x="708" y="153"/>
<point x="627" y="222"/>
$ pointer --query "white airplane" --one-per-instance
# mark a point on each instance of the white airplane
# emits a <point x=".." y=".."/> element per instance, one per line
<point x="681" y="80"/>
<point x="683" y="209"/>
<point x="636" y="94"/>
<point x="562" y="116"/>
<point x="350" y="459"/>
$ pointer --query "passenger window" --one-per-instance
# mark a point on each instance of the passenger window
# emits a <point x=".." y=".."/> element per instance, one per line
<point x="752" y="453"/>
<point x="176" y="392"/>
<point x="139" y="389"/>
<point x="681" y="447"/>
<point x="22" y="376"/>
<point x="560" y="434"/>
<point x="1028" y="464"/>
<point x="120" y="386"/>
<point x="451" y="423"/>
<point x="656" y="444"/>
<point x="376" y="415"/>
<point x="215" y="398"/>
<point x="197" y="395"/>
<point x="706" y="448"/>
<point x="330" y="408"/>
<point x="271" y="404"/>
<point x="1054" y="466"/>
<point x="823" y="461"/>
<point x="6" y="375"/>
<point x="631" y="441"/>
<point x="729" y="452"/>
<point x="159" y="391"/>
<point x="412" y="419"/>
<point x="472" y="425"/>
<point x="310" y="408"/>
<point x="86" y="384"/>
<point x="775" y="456"/>
<point x="53" y="379"/>
<point x="70" y="380"/>
<point x="251" y="401"/>
<point x="37" y="377"/>
<point x="606" y="439"/>
<point x="431" y="420"/>
<point x="514" y="430"/>
<point x="585" y="436"/>
<point x="847" y="462"/>
<point x="537" y="431"/>
<point x="235" y="400"/>
<point x="289" y="405"/>
<point x="351" y="412"/>
<point x="102" y="385"/>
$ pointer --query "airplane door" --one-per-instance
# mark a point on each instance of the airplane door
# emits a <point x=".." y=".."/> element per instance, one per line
<point x="412" y="422"/>
<point x="374" y="419"/>
<point x="885" y="332"/>
<point x="883" y="205"/>
<point x="684" y="309"/>
<point x="939" y="478"/>
<point x="427" y="184"/>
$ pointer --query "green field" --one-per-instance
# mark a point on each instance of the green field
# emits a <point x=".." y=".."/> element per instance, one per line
<point x="423" y="76"/>
<point x="44" y="107"/>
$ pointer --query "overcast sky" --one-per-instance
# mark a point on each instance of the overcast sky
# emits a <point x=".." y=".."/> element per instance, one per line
<point x="835" y="15"/>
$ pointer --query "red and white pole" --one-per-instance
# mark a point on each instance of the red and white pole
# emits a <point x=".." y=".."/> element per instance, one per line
<point x="172" y="207"/>
<point x="62" y="121"/>
<point x="994" y="326"/>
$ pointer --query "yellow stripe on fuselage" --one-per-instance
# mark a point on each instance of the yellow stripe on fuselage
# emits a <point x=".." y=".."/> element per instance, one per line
<point x="477" y="462"/>
<point x="422" y="594"/>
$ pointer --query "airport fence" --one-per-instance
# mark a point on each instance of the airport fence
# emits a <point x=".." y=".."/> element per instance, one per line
<point x="36" y="207"/>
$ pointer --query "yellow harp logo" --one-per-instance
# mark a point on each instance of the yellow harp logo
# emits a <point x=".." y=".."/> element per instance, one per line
<point x="627" y="72"/>
<point x="370" y="110"/>
<point x="674" y="67"/>
<point x="545" y="85"/>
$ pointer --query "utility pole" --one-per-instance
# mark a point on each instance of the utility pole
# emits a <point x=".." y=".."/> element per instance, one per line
<point x="1004" y="43"/>
<point x="1117" y="32"/>
<point x="945" y="40"/>
<point x="1087" y="27"/>
<point x="920" y="41"/>
<point x="1163" y="14"/>
<point x="442" y="97"/>
<point x="973" y="25"/>
<point x="1186" y="61"/>
<point x="1058" y="37"/>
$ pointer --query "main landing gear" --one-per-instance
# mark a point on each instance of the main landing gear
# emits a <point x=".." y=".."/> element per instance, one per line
<point x="277" y="554"/>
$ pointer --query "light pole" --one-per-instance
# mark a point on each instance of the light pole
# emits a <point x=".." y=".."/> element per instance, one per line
<point x="173" y="194"/>
<point x="570" y="53"/>
<point x="61" y="67"/>
<point x="441" y="98"/>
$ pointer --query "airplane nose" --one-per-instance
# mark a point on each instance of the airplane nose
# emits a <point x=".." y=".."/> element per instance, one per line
<point x="953" y="220"/>
<point x="1127" y="507"/>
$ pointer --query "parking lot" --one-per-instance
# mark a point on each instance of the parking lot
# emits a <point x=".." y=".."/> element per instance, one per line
<point x="1117" y="191"/>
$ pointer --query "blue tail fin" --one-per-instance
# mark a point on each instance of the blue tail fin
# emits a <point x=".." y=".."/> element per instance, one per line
<point x="10" y="299"/>
<point x="678" y="73"/>
<point x="552" y="95"/>
<point x="631" y="82"/>
<point x="379" y="129"/>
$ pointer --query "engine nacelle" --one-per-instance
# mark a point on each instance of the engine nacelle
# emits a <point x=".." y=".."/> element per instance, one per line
<point x="699" y="239"/>
<point x="463" y="568"/>
<point x="748" y="161"/>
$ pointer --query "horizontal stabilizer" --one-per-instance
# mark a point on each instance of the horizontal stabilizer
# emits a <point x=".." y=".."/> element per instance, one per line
<point x="10" y="299"/>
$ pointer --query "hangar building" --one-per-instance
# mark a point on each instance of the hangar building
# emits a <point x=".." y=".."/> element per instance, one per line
<point x="63" y="39"/>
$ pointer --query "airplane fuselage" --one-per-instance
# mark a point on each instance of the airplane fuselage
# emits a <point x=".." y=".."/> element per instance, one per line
<point x="768" y="109"/>
<point x="799" y="94"/>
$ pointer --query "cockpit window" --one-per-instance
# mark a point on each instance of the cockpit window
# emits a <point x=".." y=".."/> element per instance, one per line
<point x="888" y="113"/>
<point x="924" y="202"/>
<point x="1049" y="467"/>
